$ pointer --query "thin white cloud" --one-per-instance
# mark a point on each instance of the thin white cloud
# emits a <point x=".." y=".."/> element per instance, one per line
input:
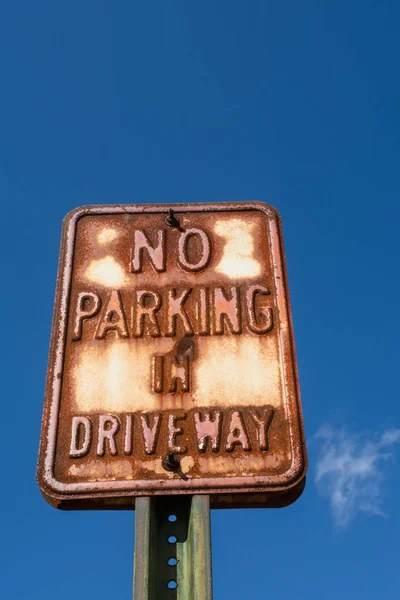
<point x="350" y="471"/>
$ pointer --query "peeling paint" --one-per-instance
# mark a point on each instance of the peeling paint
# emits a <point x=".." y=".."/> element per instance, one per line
<point x="106" y="271"/>
<point x="115" y="375"/>
<point x="242" y="465"/>
<point x="240" y="370"/>
<point x="238" y="260"/>
<point x="97" y="470"/>
<point x="106" y="236"/>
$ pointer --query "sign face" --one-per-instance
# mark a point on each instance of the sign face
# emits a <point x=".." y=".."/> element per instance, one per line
<point x="172" y="366"/>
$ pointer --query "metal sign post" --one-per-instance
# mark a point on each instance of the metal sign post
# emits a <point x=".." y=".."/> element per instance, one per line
<point x="172" y="548"/>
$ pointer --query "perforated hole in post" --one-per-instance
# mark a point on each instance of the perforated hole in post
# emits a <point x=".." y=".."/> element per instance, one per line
<point x="172" y="584"/>
<point x="172" y="518"/>
<point x="172" y="539"/>
<point x="172" y="562"/>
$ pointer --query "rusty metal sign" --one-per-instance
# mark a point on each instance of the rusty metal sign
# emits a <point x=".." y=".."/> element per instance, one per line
<point x="172" y="367"/>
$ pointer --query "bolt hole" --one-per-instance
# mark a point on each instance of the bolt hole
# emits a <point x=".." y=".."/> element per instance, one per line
<point x="172" y="562"/>
<point x="172" y="585"/>
<point x="172" y="518"/>
<point x="172" y="539"/>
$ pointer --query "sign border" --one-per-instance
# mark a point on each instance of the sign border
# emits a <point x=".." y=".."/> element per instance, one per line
<point x="58" y="491"/>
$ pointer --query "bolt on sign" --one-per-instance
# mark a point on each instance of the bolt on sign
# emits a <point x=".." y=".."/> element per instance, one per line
<point x="172" y="364"/>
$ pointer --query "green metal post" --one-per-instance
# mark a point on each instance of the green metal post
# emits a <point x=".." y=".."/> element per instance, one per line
<point x="172" y="548"/>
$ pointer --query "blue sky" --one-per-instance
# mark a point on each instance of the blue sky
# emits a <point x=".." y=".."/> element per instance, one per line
<point x="292" y="103"/>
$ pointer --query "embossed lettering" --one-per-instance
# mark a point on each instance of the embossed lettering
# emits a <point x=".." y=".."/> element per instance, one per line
<point x="208" y="427"/>
<point x="108" y="428"/>
<point x="226" y="311"/>
<point x="209" y="431"/>
<point x="80" y="447"/>
<point x="150" y="433"/>
<point x="174" y="432"/>
<point x="179" y="372"/>
<point x="263" y="418"/>
<point x="237" y="434"/>
<point x="183" y="258"/>
<point x="176" y="311"/>
<point x="147" y="305"/>
<point x="113" y="318"/>
<point x="156" y="253"/>
<point x="87" y="307"/>
<point x="128" y="446"/>
<point x="259" y="320"/>
<point x="158" y="373"/>
<point x="203" y="312"/>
